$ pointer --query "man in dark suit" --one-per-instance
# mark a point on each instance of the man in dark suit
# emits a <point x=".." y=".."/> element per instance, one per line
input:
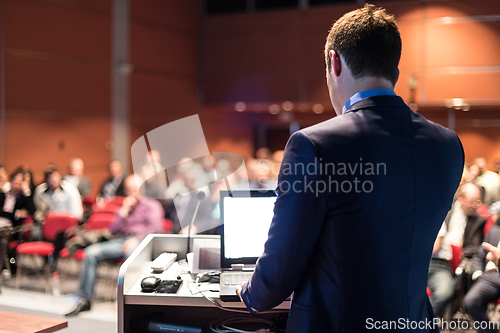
<point x="486" y="289"/>
<point x="361" y="197"/>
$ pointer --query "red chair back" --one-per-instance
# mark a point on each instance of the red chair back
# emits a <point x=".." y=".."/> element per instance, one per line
<point x="109" y="205"/>
<point x="88" y="200"/>
<point x="457" y="257"/>
<point x="57" y="222"/>
<point x="167" y="226"/>
<point x="98" y="221"/>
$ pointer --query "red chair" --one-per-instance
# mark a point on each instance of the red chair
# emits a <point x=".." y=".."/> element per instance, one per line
<point x="97" y="221"/>
<point x="110" y="205"/>
<point x="168" y="225"/>
<point x="88" y="200"/>
<point x="26" y="224"/>
<point x="457" y="257"/>
<point x="54" y="223"/>
<point x="484" y="212"/>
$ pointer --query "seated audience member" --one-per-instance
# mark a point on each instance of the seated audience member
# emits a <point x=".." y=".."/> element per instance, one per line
<point x="14" y="208"/>
<point x="28" y="187"/>
<point x="4" y="181"/>
<point x="462" y="227"/>
<point x="486" y="178"/>
<point x="486" y="288"/>
<point x="263" y="154"/>
<point x="186" y="201"/>
<point x="493" y="253"/>
<point x="496" y="166"/>
<point x="152" y="172"/>
<point x="75" y="177"/>
<point x="55" y="195"/>
<point x="113" y="185"/>
<point x="137" y="218"/>
<point x="493" y="195"/>
<point x="473" y="173"/>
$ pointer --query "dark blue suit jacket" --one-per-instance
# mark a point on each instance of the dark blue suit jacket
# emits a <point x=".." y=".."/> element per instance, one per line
<point x="356" y="252"/>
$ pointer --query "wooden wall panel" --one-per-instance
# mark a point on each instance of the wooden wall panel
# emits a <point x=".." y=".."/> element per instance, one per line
<point x="164" y="51"/>
<point x="429" y="43"/>
<point x="175" y="14"/>
<point x="162" y="97"/>
<point x="451" y="58"/>
<point x="164" y="45"/>
<point x="36" y="141"/>
<point x="59" y="29"/>
<point x="58" y="84"/>
<point x="480" y="142"/>
<point x="63" y="86"/>
<point x="475" y="88"/>
<point x="462" y="44"/>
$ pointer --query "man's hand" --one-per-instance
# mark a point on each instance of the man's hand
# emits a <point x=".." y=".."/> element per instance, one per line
<point x="238" y="291"/>
<point x="129" y="245"/>
<point x="128" y="203"/>
<point x="493" y="254"/>
<point x="21" y="214"/>
<point x="185" y="230"/>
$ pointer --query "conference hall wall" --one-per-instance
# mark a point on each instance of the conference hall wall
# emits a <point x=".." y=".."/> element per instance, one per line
<point x="450" y="48"/>
<point x="58" y="77"/>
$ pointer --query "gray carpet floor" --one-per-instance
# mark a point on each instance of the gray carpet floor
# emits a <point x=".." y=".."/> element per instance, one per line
<point x="32" y="299"/>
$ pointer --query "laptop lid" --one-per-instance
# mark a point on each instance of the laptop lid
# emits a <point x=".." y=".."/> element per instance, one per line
<point x="245" y="216"/>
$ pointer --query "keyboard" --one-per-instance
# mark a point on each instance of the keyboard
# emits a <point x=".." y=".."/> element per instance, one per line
<point x="235" y="278"/>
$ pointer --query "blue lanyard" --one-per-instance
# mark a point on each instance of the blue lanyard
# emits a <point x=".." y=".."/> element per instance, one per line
<point x="365" y="94"/>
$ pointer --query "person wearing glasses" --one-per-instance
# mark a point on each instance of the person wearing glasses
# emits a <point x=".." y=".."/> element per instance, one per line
<point x="462" y="227"/>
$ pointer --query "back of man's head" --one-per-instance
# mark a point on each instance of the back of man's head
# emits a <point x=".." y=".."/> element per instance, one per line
<point x="369" y="41"/>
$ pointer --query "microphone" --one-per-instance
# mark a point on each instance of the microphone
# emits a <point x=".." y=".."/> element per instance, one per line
<point x="199" y="196"/>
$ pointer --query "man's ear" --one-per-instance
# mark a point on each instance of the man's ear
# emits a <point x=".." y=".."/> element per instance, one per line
<point x="335" y="62"/>
<point x="397" y="77"/>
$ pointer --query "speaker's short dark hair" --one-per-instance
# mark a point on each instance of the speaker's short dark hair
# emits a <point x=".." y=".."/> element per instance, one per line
<point x="369" y="41"/>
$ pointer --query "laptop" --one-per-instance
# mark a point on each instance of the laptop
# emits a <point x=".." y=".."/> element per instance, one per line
<point x="245" y="217"/>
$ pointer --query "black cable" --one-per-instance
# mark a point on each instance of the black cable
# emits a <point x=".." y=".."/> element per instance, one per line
<point x="216" y="303"/>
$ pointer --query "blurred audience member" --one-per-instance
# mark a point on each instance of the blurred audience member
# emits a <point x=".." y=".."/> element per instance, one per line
<point x="4" y="181"/>
<point x="462" y="227"/>
<point x="56" y="195"/>
<point x="492" y="196"/>
<point x="14" y="208"/>
<point x="486" y="289"/>
<point x="263" y="154"/>
<point x="75" y="177"/>
<point x="496" y="166"/>
<point x="113" y="185"/>
<point x="153" y="173"/>
<point x="28" y="185"/>
<point x="186" y="201"/>
<point x="473" y="174"/>
<point x="260" y="175"/>
<point x="486" y="178"/>
<point x="495" y="211"/>
<point x="137" y="218"/>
